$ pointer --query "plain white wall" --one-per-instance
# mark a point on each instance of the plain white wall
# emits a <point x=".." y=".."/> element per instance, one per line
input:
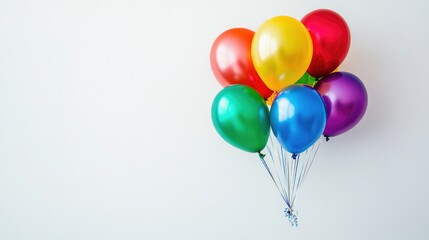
<point x="105" y="129"/>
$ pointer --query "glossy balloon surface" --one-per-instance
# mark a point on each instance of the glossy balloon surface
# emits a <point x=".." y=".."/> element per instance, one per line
<point x="346" y="100"/>
<point x="331" y="41"/>
<point x="281" y="51"/>
<point x="231" y="61"/>
<point x="241" y="117"/>
<point x="298" y="117"/>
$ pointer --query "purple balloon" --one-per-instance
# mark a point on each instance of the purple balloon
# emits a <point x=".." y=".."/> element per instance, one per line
<point x="345" y="100"/>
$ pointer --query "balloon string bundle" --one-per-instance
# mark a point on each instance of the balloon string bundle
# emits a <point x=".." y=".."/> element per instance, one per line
<point x="288" y="173"/>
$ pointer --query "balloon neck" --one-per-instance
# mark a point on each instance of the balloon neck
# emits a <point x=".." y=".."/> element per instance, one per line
<point x="294" y="155"/>
<point x="327" y="138"/>
<point x="261" y="155"/>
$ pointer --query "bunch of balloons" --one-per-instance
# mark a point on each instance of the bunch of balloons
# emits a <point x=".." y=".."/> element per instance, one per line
<point x="291" y="65"/>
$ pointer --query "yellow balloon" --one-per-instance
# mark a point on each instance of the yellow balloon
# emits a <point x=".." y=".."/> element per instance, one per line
<point x="281" y="51"/>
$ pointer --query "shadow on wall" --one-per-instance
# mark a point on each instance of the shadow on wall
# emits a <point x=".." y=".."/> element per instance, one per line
<point x="364" y="60"/>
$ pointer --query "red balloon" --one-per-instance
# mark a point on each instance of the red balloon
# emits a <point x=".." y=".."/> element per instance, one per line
<point x="331" y="41"/>
<point x="231" y="60"/>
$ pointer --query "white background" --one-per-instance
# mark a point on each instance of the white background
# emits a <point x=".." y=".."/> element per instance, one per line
<point x="105" y="128"/>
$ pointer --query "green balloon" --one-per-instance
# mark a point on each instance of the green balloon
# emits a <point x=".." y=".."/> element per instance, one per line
<point x="306" y="79"/>
<point x="241" y="117"/>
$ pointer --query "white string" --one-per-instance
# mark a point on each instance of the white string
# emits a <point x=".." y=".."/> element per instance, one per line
<point x="287" y="173"/>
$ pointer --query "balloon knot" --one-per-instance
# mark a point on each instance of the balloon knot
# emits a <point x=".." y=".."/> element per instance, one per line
<point x="327" y="138"/>
<point x="294" y="155"/>
<point x="261" y="155"/>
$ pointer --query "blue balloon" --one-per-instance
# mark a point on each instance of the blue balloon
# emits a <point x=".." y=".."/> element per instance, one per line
<point x="298" y="117"/>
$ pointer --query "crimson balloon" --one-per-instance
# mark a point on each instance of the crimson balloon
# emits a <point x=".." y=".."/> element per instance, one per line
<point x="231" y="61"/>
<point x="331" y="41"/>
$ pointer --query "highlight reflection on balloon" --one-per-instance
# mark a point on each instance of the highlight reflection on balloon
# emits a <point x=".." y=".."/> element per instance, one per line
<point x="298" y="117"/>
<point x="346" y="100"/>
<point x="231" y="61"/>
<point x="241" y="117"/>
<point x="281" y="51"/>
<point x="331" y="41"/>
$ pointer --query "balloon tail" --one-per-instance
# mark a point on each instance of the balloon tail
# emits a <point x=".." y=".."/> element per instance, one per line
<point x="292" y="216"/>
